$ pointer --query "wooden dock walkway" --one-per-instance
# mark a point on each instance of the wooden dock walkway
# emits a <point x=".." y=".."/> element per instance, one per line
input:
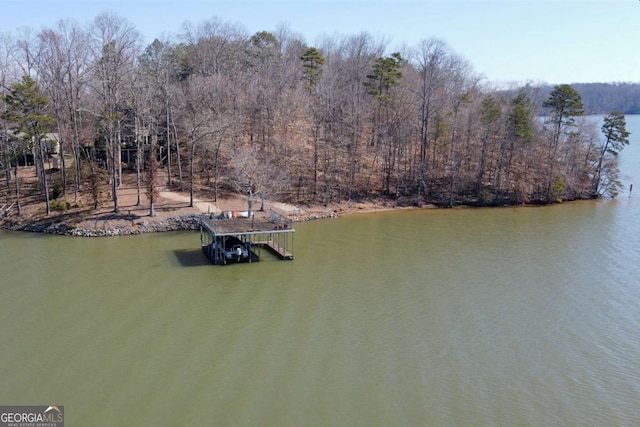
<point x="274" y="247"/>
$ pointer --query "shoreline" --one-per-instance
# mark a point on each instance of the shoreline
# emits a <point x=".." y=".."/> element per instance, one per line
<point x="188" y="219"/>
<point x="144" y="225"/>
<point x="177" y="210"/>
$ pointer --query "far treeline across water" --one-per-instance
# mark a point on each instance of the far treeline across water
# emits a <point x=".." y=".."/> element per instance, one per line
<point x="265" y="114"/>
<point x="602" y="98"/>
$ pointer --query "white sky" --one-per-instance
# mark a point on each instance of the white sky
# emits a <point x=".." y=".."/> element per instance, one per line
<point x="552" y="41"/>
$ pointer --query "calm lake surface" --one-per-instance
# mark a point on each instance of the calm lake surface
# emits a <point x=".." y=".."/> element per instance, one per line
<point x="469" y="317"/>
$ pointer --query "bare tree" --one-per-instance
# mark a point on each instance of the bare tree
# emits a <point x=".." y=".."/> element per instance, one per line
<point x="115" y="44"/>
<point x="254" y="172"/>
<point x="62" y="71"/>
<point x="152" y="175"/>
<point x="27" y="51"/>
<point x="8" y="154"/>
<point x="202" y="116"/>
<point x="358" y="54"/>
<point x="432" y="59"/>
<point x="212" y="45"/>
<point x="153" y="112"/>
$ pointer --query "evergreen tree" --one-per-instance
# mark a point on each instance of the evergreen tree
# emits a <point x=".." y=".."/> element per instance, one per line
<point x="564" y="104"/>
<point x="26" y="112"/>
<point x="519" y="119"/>
<point x="263" y="46"/>
<point x="312" y="61"/>
<point x="385" y="73"/>
<point x="616" y="137"/>
<point x="519" y="134"/>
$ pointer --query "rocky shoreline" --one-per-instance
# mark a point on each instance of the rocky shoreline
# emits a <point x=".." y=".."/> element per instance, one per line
<point x="176" y="223"/>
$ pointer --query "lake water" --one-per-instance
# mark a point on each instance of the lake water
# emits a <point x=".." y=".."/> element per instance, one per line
<point x="467" y="317"/>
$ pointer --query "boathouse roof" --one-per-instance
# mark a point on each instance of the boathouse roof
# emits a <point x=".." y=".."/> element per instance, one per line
<point x="235" y="225"/>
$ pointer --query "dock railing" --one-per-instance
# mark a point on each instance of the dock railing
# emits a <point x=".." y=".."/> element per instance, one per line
<point x="5" y="210"/>
<point x="280" y="220"/>
<point x="207" y="223"/>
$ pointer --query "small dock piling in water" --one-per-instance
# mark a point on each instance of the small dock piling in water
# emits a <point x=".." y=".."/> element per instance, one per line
<point x="230" y="237"/>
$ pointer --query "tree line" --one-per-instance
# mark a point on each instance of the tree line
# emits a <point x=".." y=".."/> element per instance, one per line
<point x="268" y="115"/>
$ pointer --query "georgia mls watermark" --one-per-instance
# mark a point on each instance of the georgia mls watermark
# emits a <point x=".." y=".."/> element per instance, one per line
<point x="32" y="416"/>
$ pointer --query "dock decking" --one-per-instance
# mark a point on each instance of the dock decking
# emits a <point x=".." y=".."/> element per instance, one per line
<point x="275" y="248"/>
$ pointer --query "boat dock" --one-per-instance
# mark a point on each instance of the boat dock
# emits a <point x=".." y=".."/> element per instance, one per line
<point x="232" y="238"/>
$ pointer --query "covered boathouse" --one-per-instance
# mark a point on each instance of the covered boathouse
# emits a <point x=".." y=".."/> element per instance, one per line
<point x="231" y="238"/>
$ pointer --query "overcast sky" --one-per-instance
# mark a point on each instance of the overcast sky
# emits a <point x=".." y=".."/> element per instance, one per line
<point x="552" y="41"/>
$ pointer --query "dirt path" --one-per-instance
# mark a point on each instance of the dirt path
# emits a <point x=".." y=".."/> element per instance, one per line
<point x="202" y="206"/>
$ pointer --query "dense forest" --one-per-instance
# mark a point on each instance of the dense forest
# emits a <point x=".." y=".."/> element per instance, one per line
<point x="266" y="114"/>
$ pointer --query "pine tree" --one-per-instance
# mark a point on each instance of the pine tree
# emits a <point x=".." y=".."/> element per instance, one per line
<point x="616" y="138"/>
<point x="385" y="73"/>
<point x="26" y="112"/>
<point x="312" y="61"/>
<point x="564" y="104"/>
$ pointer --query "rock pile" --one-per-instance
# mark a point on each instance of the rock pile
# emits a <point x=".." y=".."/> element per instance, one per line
<point x="314" y="216"/>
